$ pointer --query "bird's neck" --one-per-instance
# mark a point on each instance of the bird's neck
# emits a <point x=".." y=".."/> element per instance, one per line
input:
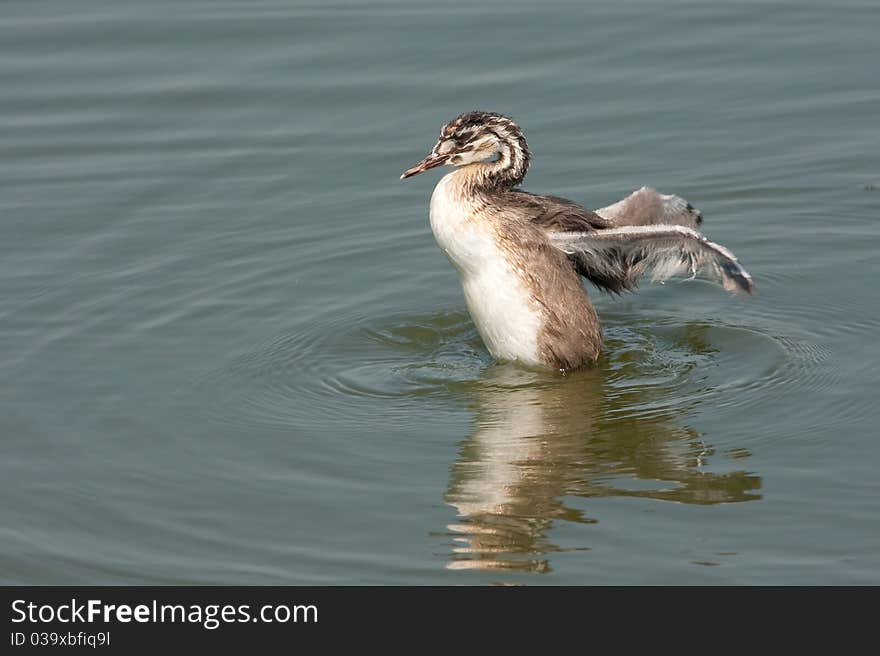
<point x="505" y="172"/>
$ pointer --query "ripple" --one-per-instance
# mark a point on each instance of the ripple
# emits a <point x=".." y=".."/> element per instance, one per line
<point x="343" y="366"/>
<point x="718" y="367"/>
<point x="336" y="369"/>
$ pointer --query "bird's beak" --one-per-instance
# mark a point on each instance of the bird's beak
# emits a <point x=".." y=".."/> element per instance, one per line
<point x="431" y="161"/>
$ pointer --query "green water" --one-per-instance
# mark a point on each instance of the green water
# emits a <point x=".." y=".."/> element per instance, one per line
<point x="232" y="353"/>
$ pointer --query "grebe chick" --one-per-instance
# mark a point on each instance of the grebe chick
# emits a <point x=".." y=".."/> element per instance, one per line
<point x="519" y="255"/>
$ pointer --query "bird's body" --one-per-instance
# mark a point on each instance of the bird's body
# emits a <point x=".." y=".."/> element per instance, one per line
<point x="526" y="300"/>
<point x="519" y="255"/>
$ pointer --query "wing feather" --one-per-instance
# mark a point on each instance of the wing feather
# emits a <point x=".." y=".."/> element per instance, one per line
<point x="647" y="206"/>
<point x="615" y="258"/>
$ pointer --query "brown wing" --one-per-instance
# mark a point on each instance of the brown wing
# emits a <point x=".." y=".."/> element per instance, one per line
<point x="649" y="207"/>
<point x="614" y="246"/>
<point x="615" y="258"/>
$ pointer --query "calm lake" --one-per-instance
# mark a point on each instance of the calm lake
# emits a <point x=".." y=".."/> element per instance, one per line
<point x="231" y="351"/>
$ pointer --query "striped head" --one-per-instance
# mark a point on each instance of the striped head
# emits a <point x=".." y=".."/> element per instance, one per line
<point x="475" y="137"/>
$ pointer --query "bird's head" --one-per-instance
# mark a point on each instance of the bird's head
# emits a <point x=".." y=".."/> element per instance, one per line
<point x="476" y="137"/>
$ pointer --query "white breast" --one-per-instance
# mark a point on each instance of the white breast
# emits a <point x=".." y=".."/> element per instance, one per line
<point x="500" y="304"/>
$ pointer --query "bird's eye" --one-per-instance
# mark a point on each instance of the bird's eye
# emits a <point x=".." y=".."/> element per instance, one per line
<point x="447" y="146"/>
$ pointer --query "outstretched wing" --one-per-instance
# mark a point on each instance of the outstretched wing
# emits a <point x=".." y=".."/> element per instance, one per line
<point x="649" y="207"/>
<point x="614" y="259"/>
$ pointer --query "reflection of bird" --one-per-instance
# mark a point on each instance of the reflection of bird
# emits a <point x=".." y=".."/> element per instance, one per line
<point x="539" y="440"/>
<point x="519" y="254"/>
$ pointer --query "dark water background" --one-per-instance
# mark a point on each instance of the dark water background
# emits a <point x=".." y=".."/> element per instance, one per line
<point x="232" y="353"/>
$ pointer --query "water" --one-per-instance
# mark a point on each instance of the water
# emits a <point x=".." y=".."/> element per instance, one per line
<point x="232" y="353"/>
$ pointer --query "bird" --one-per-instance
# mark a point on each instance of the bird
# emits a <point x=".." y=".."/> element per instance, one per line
<point x="520" y="256"/>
